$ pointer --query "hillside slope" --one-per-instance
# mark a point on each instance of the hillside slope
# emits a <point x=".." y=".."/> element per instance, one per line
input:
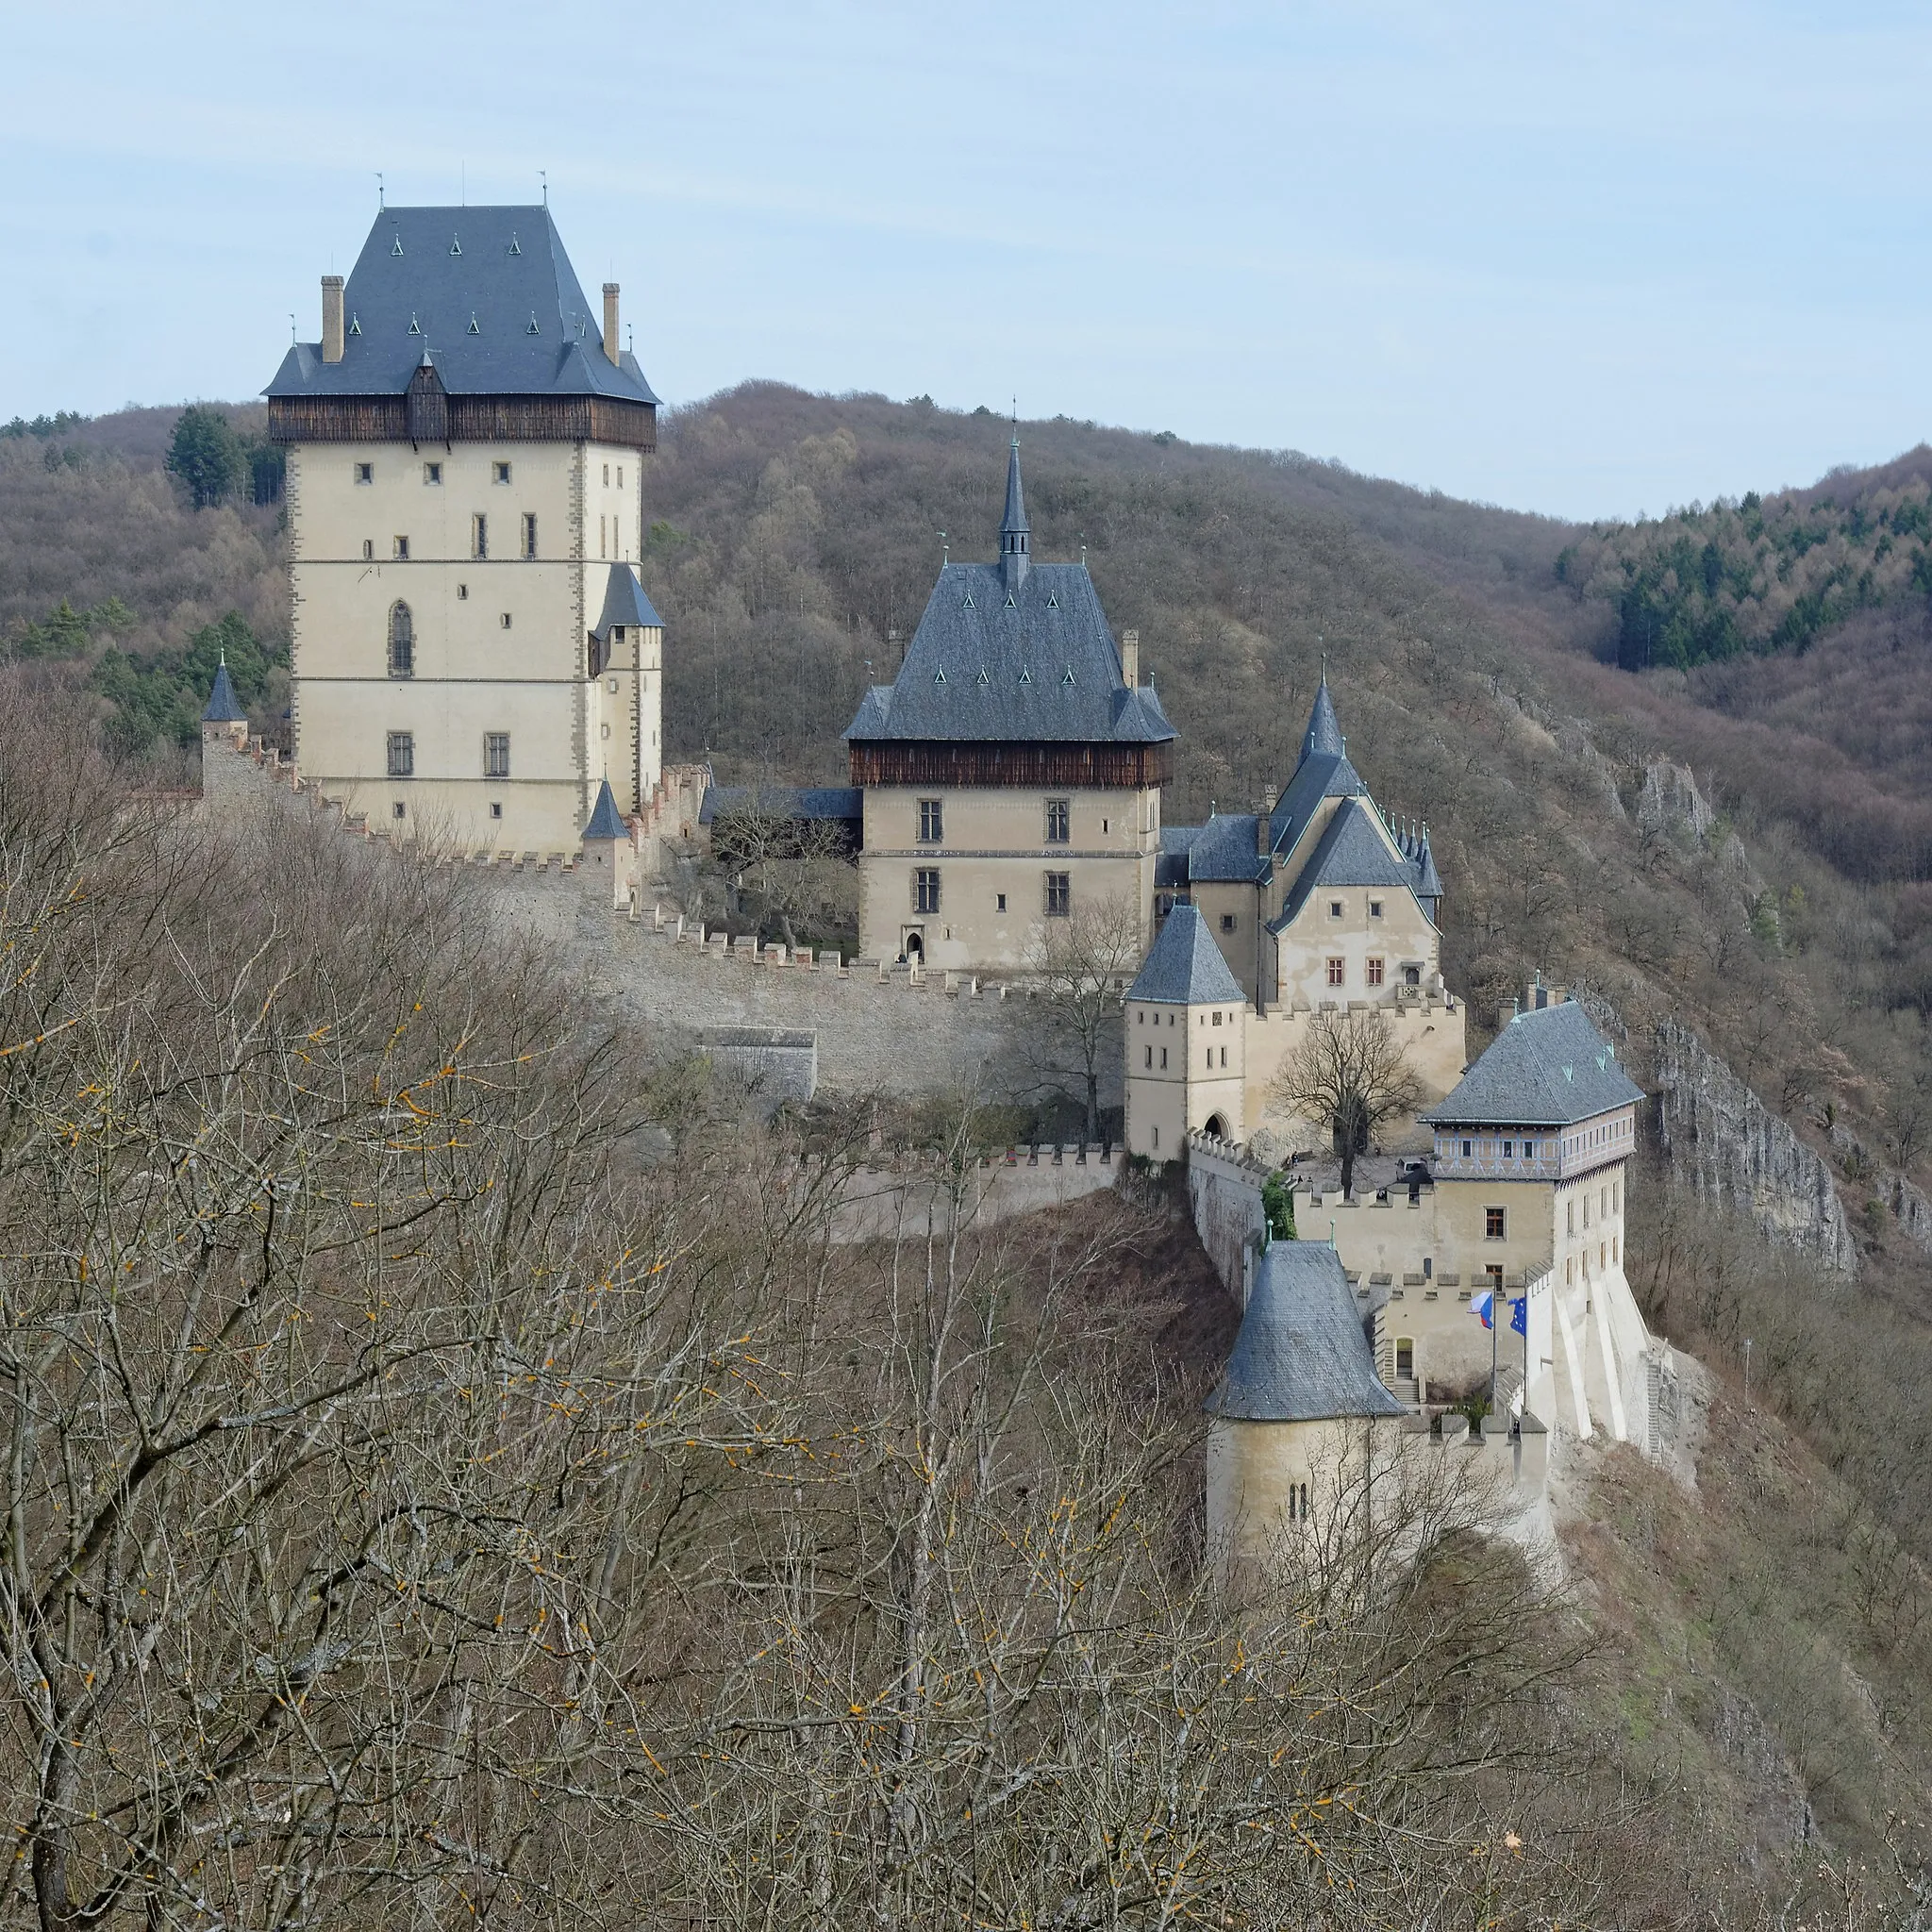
<point x="1741" y="845"/>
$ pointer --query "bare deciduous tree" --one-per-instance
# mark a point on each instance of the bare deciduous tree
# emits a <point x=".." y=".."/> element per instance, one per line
<point x="794" y="870"/>
<point x="1351" y="1073"/>
<point x="1083" y="963"/>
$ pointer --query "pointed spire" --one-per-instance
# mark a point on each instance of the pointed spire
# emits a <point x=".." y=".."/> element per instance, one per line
<point x="223" y="707"/>
<point x="1323" y="734"/>
<point x="605" y="823"/>
<point x="1016" y="535"/>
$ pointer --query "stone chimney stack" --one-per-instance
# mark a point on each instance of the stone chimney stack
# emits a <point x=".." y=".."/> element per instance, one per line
<point x="331" y="318"/>
<point x="610" y="321"/>
<point x="1130" y="658"/>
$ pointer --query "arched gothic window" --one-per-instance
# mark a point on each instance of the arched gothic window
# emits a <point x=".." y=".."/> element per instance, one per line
<point x="401" y="642"/>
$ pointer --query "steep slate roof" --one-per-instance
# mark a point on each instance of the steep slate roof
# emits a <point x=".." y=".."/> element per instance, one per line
<point x="223" y="707"/>
<point x="1184" y="966"/>
<point x="475" y="283"/>
<point x="841" y="802"/>
<point x="1301" y="1356"/>
<point x="1324" y="735"/>
<point x="1351" y="852"/>
<point x="624" y="603"/>
<point x="605" y="823"/>
<point x="1546" y="1069"/>
<point x="1042" y="667"/>
<point x="1171" y="865"/>
<point x="1223" y="849"/>
<point x="1012" y="654"/>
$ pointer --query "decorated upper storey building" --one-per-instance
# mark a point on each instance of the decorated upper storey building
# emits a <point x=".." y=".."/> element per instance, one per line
<point x="474" y="653"/>
<point x="1318" y="906"/>
<point x="1011" y="772"/>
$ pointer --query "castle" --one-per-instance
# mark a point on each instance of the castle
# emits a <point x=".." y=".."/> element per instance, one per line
<point x="474" y="654"/>
<point x="465" y="667"/>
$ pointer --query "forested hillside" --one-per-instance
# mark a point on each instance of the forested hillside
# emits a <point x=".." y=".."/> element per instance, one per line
<point x="1745" y="843"/>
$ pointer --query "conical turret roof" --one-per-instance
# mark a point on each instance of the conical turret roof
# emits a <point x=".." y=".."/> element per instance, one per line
<point x="1323" y="734"/>
<point x="605" y="822"/>
<point x="1301" y="1356"/>
<point x="223" y="707"/>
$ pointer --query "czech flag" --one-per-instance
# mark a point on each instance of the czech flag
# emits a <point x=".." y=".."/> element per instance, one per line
<point x="1484" y="1306"/>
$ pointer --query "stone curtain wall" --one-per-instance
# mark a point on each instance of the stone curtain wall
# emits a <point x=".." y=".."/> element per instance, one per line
<point x="1224" y="1191"/>
<point x="1732" y="1149"/>
<point x="895" y="1036"/>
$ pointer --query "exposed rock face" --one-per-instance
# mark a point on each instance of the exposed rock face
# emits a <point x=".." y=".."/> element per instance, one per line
<point x="1722" y="1138"/>
<point x="1672" y="802"/>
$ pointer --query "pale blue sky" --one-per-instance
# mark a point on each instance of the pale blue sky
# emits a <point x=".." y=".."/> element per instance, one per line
<point x="1584" y="260"/>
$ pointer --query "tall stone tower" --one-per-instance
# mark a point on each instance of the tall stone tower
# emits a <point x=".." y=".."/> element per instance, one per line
<point x="474" y="653"/>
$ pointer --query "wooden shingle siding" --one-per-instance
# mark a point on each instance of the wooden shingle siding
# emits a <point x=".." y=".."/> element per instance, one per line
<point x="1078" y="767"/>
<point x="468" y="419"/>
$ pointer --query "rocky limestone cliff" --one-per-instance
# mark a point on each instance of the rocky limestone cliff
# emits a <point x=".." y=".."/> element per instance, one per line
<point x="1732" y="1149"/>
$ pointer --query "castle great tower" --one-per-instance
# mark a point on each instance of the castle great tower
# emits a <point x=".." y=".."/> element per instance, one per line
<point x="474" y="653"/>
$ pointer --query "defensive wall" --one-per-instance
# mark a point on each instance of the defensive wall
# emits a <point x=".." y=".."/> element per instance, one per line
<point x="874" y="1028"/>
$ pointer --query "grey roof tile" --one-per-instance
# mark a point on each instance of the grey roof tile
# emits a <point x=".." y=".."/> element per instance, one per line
<point x="1547" y="1068"/>
<point x="1184" y="966"/>
<point x="488" y="291"/>
<point x="785" y="801"/>
<point x="1353" y="852"/>
<point x="1036" y="663"/>
<point x="1012" y="650"/>
<point x="1224" y="851"/>
<point x="1301" y="1356"/>
<point x="605" y="822"/>
<point x="223" y="707"/>
<point x="624" y="602"/>
<point x="1324" y="735"/>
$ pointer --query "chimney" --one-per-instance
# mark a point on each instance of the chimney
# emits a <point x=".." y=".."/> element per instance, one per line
<point x="331" y="318"/>
<point x="610" y="321"/>
<point x="1130" y="658"/>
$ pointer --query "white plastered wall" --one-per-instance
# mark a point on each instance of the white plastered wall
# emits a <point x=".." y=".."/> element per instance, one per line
<point x="473" y="674"/>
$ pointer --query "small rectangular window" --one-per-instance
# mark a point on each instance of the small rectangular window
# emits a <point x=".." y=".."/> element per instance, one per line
<point x="402" y="549"/>
<point x="1338" y="972"/>
<point x="1375" y="972"/>
<point x="402" y="755"/>
<point x="1492" y="1223"/>
<point x="932" y="820"/>
<point x="502" y="473"/>
<point x="432" y="472"/>
<point x="1227" y="922"/>
<point x="1059" y="894"/>
<point x="1060" y="814"/>
<point x="480" y="535"/>
<point x="365" y="473"/>
<point x="496" y="754"/>
<point x="925" y="890"/>
<point x="529" y="533"/>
